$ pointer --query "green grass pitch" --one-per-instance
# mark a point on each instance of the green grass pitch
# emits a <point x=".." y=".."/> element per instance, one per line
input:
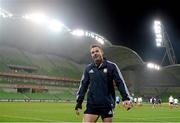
<point x="64" y="112"/>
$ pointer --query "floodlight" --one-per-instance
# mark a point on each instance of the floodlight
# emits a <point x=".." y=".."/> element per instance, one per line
<point x="158" y="36"/>
<point x="150" y="65"/>
<point x="55" y="25"/>
<point x="78" y="32"/>
<point x="157" y="29"/>
<point x="153" y="66"/>
<point x="36" y="17"/>
<point x="157" y="26"/>
<point x="92" y="35"/>
<point x="158" y="40"/>
<point x="157" y="22"/>
<point x="5" y="14"/>
<point x="2" y="14"/>
<point x="88" y="34"/>
<point x="158" y="44"/>
<point x="100" y="40"/>
<point x="156" y="67"/>
<point x="158" y="33"/>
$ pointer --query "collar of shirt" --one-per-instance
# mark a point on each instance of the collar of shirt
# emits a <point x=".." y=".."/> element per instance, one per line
<point x="102" y="65"/>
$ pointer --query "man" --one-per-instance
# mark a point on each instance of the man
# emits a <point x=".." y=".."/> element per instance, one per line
<point x="98" y="79"/>
<point x="159" y="101"/>
<point x="176" y="102"/>
<point x="117" y="100"/>
<point x="135" y="100"/>
<point x="139" y="101"/>
<point x="153" y="101"/>
<point x="171" y="102"/>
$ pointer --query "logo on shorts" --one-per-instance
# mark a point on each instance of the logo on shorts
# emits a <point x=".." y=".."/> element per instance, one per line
<point x="110" y="112"/>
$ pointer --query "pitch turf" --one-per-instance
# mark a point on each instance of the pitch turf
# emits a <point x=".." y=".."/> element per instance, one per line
<point x="64" y="112"/>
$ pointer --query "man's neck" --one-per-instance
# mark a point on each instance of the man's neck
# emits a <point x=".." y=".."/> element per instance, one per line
<point x="99" y="63"/>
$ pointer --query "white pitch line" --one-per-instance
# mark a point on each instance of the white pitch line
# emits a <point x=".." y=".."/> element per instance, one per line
<point x="30" y="118"/>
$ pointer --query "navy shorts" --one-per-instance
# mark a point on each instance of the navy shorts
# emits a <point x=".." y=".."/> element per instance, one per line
<point x="104" y="112"/>
<point x="171" y="103"/>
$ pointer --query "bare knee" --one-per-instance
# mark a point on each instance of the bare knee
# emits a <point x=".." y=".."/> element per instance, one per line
<point x="107" y="120"/>
<point x="90" y="118"/>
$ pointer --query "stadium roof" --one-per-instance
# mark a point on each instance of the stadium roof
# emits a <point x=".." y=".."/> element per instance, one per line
<point x="123" y="56"/>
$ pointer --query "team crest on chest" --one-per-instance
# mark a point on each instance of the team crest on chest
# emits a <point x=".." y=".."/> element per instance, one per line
<point x="91" y="71"/>
<point x="105" y="70"/>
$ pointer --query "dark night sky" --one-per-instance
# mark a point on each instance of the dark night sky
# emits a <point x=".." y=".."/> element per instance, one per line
<point x="130" y="24"/>
<point x="122" y="23"/>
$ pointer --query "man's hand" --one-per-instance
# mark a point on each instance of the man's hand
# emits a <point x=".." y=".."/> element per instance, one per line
<point x="127" y="104"/>
<point x="78" y="108"/>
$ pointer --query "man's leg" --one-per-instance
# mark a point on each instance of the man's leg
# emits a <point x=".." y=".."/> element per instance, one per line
<point x="107" y="120"/>
<point x="107" y="115"/>
<point x="90" y="118"/>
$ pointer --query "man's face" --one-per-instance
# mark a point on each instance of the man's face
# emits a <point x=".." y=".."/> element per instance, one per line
<point x="96" y="54"/>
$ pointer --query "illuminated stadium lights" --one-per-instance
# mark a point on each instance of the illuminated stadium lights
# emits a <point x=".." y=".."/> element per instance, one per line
<point x="157" y="29"/>
<point x="100" y="40"/>
<point x="158" y="36"/>
<point x="95" y="36"/>
<point x="78" y="32"/>
<point x="55" y="25"/>
<point x="156" y="22"/>
<point x="163" y="40"/>
<point x="158" y="32"/>
<point x="158" y="40"/>
<point x="36" y="17"/>
<point x="158" y="44"/>
<point x="40" y="18"/>
<point x="153" y="66"/>
<point x="5" y="14"/>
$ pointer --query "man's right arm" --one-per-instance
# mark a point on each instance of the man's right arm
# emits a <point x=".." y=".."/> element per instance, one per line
<point x="82" y="89"/>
